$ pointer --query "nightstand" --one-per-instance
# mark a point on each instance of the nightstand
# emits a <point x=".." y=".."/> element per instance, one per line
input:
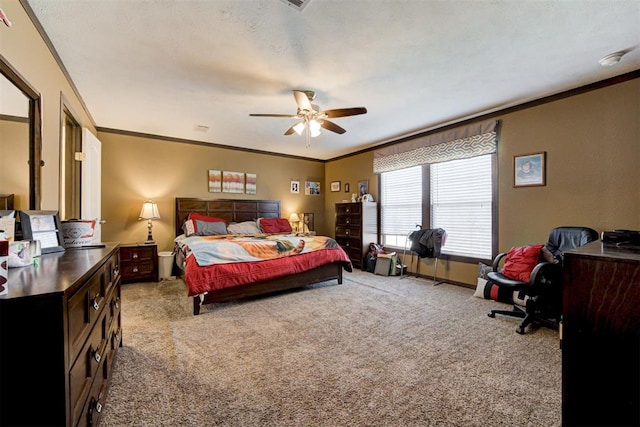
<point x="139" y="262"/>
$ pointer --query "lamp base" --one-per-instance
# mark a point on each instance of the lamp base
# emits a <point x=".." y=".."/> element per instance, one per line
<point x="150" y="240"/>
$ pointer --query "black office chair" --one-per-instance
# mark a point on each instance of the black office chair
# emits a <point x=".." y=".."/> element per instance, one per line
<point x="542" y="294"/>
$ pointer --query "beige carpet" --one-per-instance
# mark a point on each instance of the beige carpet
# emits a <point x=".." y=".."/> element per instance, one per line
<point x="375" y="351"/>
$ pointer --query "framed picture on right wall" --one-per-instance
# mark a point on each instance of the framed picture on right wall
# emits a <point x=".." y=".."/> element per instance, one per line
<point x="529" y="170"/>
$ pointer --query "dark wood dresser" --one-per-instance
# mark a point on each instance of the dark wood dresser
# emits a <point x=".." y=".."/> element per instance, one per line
<point x="59" y="334"/>
<point x="139" y="262"/>
<point x="601" y="336"/>
<point x="356" y="228"/>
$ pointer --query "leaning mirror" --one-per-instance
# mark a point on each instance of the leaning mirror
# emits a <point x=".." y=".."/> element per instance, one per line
<point x="20" y="140"/>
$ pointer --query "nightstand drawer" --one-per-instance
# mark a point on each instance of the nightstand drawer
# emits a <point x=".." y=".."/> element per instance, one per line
<point x="137" y="253"/>
<point x="136" y="269"/>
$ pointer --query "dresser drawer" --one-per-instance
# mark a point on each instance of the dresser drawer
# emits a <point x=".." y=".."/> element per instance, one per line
<point x="83" y="309"/>
<point x="86" y="366"/>
<point x="342" y="231"/>
<point x="349" y="208"/>
<point x="347" y="220"/>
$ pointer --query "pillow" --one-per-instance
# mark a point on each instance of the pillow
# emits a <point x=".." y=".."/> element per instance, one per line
<point x="196" y="220"/>
<point x="246" y="227"/>
<point x="489" y="290"/>
<point x="216" y="228"/>
<point x="202" y="217"/>
<point x="275" y="225"/>
<point x="520" y="261"/>
<point x="483" y="270"/>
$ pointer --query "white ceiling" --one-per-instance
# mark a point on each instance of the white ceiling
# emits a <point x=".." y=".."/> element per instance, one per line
<point x="166" y="67"/>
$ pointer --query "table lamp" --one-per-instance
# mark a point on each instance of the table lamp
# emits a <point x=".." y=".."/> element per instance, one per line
<point x="149" y="211"/>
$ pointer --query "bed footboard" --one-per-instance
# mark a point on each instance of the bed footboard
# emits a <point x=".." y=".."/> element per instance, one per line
<point x="319" y="274"/>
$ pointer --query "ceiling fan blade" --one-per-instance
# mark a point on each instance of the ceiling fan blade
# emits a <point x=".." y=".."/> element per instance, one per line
<point x="302" y="100"/>
<point x="344" y="112"/>
<point x="274" y="115"/>
<point x="290" y="131"/>
<point x="332" y="127"/>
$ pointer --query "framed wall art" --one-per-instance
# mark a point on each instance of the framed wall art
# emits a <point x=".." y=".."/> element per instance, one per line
<point x="363" y="187"/>
<point x="346" y="187"/>
<point x="44" y="226"/>
<point x="335" y="186"/>
<point x="232" y="182"/>
<point x="215" y="181"/>
<point x="529" y="170"/>
<point x="312" y="188"/>
<point x="295" y="187"/>
<point x="251" y="182"/>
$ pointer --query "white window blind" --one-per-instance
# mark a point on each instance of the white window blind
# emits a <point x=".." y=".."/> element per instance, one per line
<point x="401" y="202"/>
<point x="461" y="204"/>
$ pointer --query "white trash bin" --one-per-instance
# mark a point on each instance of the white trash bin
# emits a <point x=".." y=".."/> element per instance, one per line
<point x="165" y="265"/>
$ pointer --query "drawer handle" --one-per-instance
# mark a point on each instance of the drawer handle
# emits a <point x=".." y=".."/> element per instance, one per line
<point x="98" y="407"/>
<point x="116" y="302"/>
<point x="135" y="269"/>
<point x="134" y="255"/>
<point x="97" y="357"/>
<point x="96" y="304"/>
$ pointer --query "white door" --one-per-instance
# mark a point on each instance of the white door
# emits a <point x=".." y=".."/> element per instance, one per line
<point x="92" y="181"/>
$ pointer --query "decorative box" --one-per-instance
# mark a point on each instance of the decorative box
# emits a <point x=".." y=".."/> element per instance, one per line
<point x="77" y="232"/>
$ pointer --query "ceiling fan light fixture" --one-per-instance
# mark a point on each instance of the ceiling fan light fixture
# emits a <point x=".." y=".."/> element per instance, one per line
<point x="299" y="128"/>
<point x="611" y="59"/>
<point x="314" y="127"/>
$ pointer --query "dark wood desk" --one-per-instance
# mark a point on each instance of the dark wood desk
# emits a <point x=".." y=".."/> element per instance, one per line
<point x="601" y="336"/>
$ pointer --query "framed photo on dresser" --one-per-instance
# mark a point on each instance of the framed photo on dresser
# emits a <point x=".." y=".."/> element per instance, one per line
<point x="44" y="226"/>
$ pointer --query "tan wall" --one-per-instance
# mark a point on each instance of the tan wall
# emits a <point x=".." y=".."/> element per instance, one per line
<point x="592" y="142"/>
<point x="138" y="168"/>
<point x="14" y="170"/>
<point x="25" y="50"/>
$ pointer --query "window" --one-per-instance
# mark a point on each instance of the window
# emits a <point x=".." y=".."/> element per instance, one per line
<point x="462" y="204"/>
<point x="400" y="204"/>
<point x="458" y="198"/>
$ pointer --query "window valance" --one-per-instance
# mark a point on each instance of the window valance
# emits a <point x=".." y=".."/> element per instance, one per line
<point x="459" y="143"/>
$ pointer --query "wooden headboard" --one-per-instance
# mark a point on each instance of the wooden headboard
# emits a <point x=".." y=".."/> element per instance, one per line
<point x="231" y="210"/>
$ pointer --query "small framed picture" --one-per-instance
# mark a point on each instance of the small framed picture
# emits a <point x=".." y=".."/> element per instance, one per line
<point x="215" y="181"/>
<point x="529" y="170"/>
<point x="363" y="187"/>
<point x="251" y="182"/>
<point x="335" y="186"/>
<point x="346" y="187"/>
<point x="295" y="187"/>
<point x="232" y="182"/>
<point x="44" y="226"/>
<point x="312" y="188"/>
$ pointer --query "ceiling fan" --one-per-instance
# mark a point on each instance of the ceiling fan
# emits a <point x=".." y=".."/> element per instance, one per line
<point x="311" y="119"/>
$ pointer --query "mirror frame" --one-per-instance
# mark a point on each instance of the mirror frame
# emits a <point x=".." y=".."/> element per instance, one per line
<point x="35" y="130"/>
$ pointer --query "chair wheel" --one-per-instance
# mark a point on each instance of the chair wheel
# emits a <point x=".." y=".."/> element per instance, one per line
<point x="491" y="314"/>
<point x="520" y="330"/>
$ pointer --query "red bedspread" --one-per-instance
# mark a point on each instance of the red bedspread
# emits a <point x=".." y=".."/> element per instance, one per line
<point x="203" y="279"/>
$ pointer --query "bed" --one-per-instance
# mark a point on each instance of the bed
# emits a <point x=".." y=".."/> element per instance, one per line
<point x="320" y="259"/>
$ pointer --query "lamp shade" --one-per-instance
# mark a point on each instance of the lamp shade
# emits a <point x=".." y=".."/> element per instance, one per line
<point x="149" y="211"/>
<point x="294" y="218"/>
